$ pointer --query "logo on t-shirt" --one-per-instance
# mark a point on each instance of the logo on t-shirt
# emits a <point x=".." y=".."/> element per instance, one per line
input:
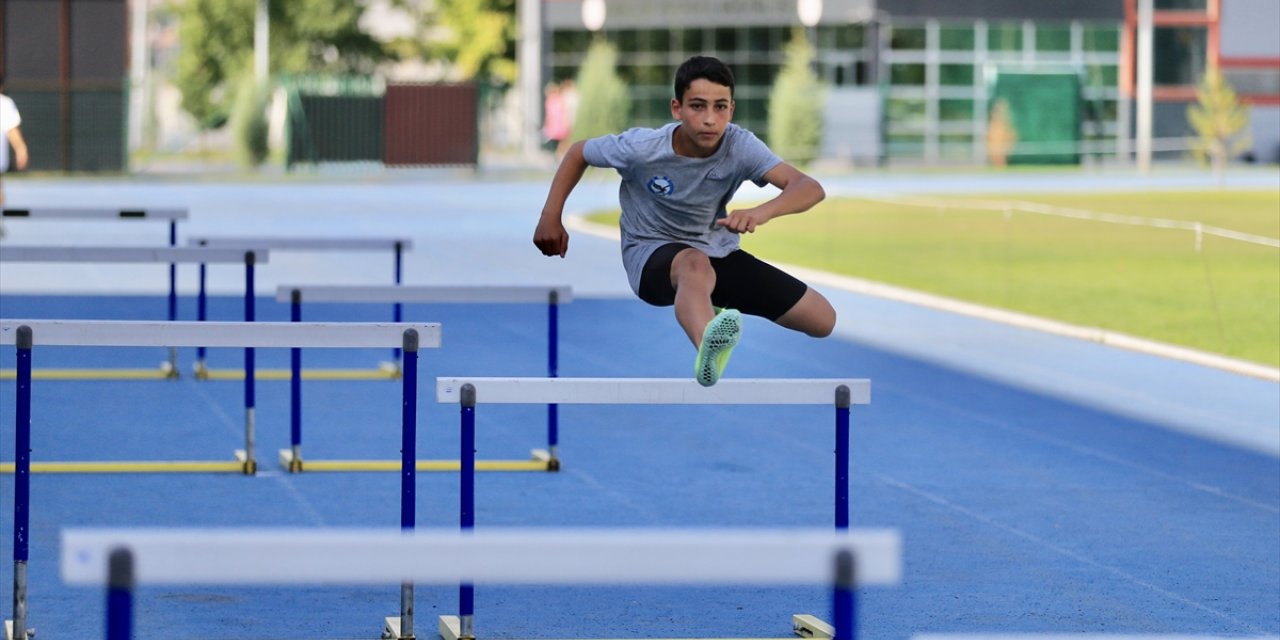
<point x="661" y="186"/>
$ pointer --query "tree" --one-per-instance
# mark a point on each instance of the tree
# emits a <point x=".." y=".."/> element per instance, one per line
<point x="796" y="104"/>
<point x="1218" y="119"/>
<point x="475" y="38"/>
<point x="306" y="36"/>
<point x="603" y="104"/>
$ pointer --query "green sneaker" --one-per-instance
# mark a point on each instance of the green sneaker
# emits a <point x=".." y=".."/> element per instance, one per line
<point x="718" y="340"/>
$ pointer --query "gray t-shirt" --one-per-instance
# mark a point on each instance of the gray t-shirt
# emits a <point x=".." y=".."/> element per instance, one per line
<point x="670" y="198"/>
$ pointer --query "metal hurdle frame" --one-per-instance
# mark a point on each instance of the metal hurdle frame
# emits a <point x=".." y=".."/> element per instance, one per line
<point x="551" y="295"/>
<point x="468" y="392"/>
<point x="124" y="558"/>
<point x="25" y="334"/>
<point x="172" y="214"/>
<point x="136" y="255"/>
<point x="298" y="243"/>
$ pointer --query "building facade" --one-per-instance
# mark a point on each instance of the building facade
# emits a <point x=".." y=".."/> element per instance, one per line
<point x="912" y="80"/>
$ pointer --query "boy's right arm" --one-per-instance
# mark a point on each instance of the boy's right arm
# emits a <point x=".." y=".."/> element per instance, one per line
<point x="550" y="236"/>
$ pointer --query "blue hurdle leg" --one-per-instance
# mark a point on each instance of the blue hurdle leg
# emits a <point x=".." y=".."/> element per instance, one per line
<point x="397" y="308"/>
<point x="842" y="457"/>
<point x="553" y="371"/>
<point x="467" y="515"/>
<point x="120" y="595"/>
<point x="202" y="313"/>
<point x="22" y="481"/>
<point x="295" y="390"/>
<point x="173" y="297"/>
<point x="408" y="465"/>
<point x="250" y="464"/>
<point x="844" y="597"/>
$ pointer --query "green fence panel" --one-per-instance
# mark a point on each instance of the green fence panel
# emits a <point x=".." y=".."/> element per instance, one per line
<point x="1046" y="114"/>
<point x="335" y="129"/>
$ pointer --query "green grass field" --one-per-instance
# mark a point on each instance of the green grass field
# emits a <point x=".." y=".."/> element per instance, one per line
<point x="1141" y="280"/>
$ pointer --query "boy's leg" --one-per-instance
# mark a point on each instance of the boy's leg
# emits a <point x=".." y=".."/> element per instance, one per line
<point x="812" y="315"/>
<point x="693" y="279"/>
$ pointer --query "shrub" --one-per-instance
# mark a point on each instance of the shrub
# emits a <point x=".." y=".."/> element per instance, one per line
<point x="796" y="104"/>
<point x="603" y="104"/>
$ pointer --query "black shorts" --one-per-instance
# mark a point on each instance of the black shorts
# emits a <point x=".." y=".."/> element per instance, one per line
<point x="743" y="282"/>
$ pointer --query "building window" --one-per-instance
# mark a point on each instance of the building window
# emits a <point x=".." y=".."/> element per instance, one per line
<point x="955" y="38"/>
<point x="955" y="74"/>
<point x="907" y="74"/>
<point x="1005" y="36"/>
<point x="907" y="39"/>
<point x="1180" y="55"/>
<point x="1053" y="39"/>
<point x="1181" y="5"/>
<point x="1101" y="39"/>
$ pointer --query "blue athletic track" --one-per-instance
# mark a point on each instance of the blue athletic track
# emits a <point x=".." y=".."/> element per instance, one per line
<point x="1040" y="484"/>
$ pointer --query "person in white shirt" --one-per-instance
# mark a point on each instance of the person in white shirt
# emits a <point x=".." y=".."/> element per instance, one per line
<point x="10" y="135"/>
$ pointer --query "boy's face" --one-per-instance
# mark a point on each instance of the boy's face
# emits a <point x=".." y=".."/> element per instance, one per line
<point x="704" y="113"/>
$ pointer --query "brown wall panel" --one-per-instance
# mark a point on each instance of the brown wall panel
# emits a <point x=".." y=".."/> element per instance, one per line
<point x="430" y="124"/>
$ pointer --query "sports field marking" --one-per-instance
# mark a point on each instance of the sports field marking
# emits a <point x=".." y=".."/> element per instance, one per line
<point x="1041" y="542"/>
<point x="1024" y="206"/>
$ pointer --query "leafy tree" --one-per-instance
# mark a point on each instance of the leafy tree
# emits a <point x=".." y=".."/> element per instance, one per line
<point x="306" y="36"/>
<point x="796" y="104"/>
<point x="248" y="121"/>
<point x="475" y="38"/>
<point x="603" y="104"/>
<point x="1218" y="119"/>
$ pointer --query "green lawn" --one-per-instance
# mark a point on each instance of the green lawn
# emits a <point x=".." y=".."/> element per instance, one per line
<point x="1150" y="282"/>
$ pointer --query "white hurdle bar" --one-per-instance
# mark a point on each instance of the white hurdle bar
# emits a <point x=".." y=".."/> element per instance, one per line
<point x="170" y="214"/>
<point x="25" y="334"/>
<point x="124" y="558"/>
<point x="551" y="295"/>
<point x="468" y="392"/>
<point x="298" y="243"/>
<point x="134" y="255"/>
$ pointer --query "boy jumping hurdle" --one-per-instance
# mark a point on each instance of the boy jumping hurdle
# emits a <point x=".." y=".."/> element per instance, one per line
<point x="679" y="241"/>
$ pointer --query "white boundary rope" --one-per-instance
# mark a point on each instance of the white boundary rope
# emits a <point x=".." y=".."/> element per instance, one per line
<point x="504" y="556"/>
<point x="1198" y="228"/>
<point x="652" y="391"/>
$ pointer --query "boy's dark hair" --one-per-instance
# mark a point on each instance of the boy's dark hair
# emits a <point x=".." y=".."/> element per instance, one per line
<point x="704" y="67"/>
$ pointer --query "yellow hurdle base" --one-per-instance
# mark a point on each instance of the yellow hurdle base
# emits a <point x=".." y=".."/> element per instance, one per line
<point x="163" y="373"/>
<point x="450" y="628"/>
<point x="386" y="371"/>
<point x="192" y="466"/>
<point x="540" y="461"/>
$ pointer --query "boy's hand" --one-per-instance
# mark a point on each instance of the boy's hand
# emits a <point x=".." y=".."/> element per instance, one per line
<point x="743" y="220"/>
<point x="551" y="237"/>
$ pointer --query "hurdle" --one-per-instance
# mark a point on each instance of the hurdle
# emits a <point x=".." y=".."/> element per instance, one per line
<point x="172" y="215"/>
<point x="133" y="255"/>
<point x="294" y="243"/>
<point x="469" y="392"/>
<point x="123" y="559"/>
<point x="552" y="296"/>
<point x="25" y="334"/>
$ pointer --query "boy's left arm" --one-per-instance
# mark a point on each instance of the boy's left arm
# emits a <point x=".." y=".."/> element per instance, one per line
<point x="799" y="193"/>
